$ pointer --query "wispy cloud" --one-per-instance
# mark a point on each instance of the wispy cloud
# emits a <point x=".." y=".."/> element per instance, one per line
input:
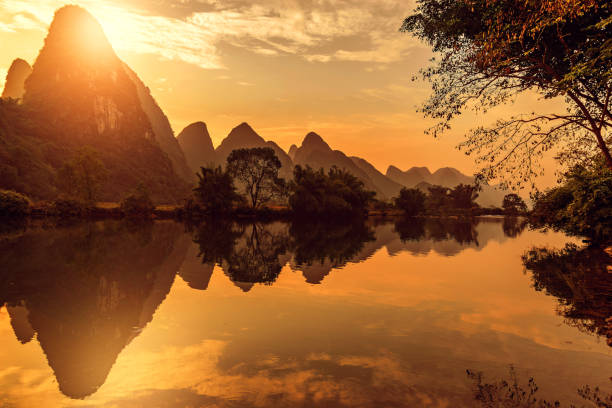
<point x="315" y="31"/>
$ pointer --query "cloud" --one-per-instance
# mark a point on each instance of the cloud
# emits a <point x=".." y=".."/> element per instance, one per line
<point x="3" y="72"/>
<point x="350" y="30"/>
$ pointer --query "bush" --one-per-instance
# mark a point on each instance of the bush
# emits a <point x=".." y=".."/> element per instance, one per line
<point x="411" y="201"/>
<point x="68" y="208"/>
<point x="13" y="204"/>
<point x="215" y="192"/>
<point x="138" y="204"/>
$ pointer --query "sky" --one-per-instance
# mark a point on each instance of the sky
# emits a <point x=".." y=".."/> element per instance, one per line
<point x="340" y="68"/>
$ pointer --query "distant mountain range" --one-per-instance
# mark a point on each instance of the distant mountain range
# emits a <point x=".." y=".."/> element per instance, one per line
<point x="81" y="94"/>
<point x="316" y="153"/>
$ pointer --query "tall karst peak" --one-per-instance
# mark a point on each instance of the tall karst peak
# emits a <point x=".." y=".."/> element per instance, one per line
<point x="244" y="137"/>
<point x="197" y="146"/>
<point x="244" y="133"/>
<point x="314" y="141"/>
<point x="292" y="150"/>
<point x="17" y="74"/>
<point x="78" y="80"/>
<point x="88" y="98"/>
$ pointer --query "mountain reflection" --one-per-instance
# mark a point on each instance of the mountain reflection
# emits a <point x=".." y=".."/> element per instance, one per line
<point x="581" y="281"/>
<point x="86" y="291"/>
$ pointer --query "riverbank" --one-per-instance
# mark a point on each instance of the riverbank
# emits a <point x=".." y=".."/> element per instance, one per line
<point x="111" y="210"/>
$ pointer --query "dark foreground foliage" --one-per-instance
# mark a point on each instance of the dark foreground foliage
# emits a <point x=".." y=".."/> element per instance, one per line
<point x="13" y="204"/>
<point x="510" y="393"/>
<point x="581" y="206"/>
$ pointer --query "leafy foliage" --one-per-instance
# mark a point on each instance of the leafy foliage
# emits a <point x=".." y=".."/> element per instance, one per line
<point x="138" y="203"/>
<point x="33" y="150"/>
<point x="257" y="169"/>
<point x="582" y="205"/>
<point x="513" y="204"/>
<point x="13" y="204"/>
<point x="411" y="201"/>
<point x="491" y="51"/>
<point x="463" y="196"/>
<point x="215" y="191"/>
<point x="83" y="177"/>
<point x="335" y="193"/>
<point x="438" y="197"/>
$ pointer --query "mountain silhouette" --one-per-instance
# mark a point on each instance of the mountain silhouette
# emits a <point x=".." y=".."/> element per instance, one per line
<point x="388" y="187"/>
<point x="292" y="151"/>
<point x="316" y="153"/>
<point x="80" y="95"/>
<point x="244" y="137"/>
<point x="164" y="135"/>
<point x="19" y="71"/>
<point x="421" y="178"/>
<point x="197" y="145"/>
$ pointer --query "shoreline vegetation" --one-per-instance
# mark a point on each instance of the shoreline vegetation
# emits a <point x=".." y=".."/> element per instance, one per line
<point x="249" y="187"/>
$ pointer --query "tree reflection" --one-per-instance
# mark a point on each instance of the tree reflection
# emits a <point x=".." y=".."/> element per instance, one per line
<point x="256" y="255"/>
<point x="579" y="279"/>
<point x="87" y="291"/>
<point x="463" y="231"/>
<point x="514" y="226"/>
<point x="336" y="243"/>
<point x="511" y="393"/>
<point x="257" y="252"/>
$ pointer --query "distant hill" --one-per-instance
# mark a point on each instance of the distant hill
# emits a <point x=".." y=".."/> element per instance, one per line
<point x="316" y="153"/>
<point x="197" y="145"/>
<point x="421" y="178"/>
<point x="242" y="137"/>
<point x="19" y="71"/>
<point x="79" y="94"/>
<point x="388" y="187"/>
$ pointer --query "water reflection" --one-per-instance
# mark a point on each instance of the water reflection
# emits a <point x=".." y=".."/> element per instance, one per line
<point x="580" y="279"/>
<point x="86" y="291"/>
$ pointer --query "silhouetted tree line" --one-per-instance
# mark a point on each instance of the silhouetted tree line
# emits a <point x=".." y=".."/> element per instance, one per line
<point x="438" y="199"/>
<point x="311" y="192"/>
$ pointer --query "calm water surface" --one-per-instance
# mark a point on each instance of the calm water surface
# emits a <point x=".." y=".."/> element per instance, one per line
<point x="278" y="315"/>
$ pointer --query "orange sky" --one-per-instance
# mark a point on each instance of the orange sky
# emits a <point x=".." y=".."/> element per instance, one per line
<point x="340" y="68"/>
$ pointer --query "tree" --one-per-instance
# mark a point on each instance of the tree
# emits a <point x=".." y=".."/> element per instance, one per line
<point x="437" y="198"/>
<point x="582" y="205"/>
<point x="463" y="196"/>
<point x="411" y="201"/>
<point x="513" y="204"/>
<point x="257" y="169"/>
<point x="491" y="51"/>
<point x="83" y="176"/>
<point x="215" y="192"/>
<point x="337" y="193"/>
